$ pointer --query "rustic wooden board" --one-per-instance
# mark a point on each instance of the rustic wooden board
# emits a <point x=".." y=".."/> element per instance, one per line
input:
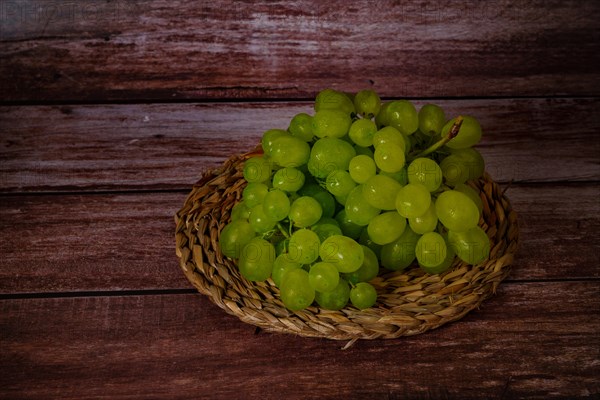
<point x="519" y="344"/>
<point x="167" y="146"/>
<point x="71" y="243"/>
<point x="163" y="50"/>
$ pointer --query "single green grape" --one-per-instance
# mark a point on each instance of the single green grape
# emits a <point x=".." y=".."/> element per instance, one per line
<point x="426" y="172"/>
<point x="389" y="134"/>
<point x="257" y="169"/>
<point x="345" y="253"/>
<point x="281" y="266"/>
<point x="413" y="200"/>
<point x="260" y="221"/>
<point x="456" y="211"/>
<point x="339" y="182"/>
<point x="254" y="194"/>
<point x="386" y="227"/>
<point x="330" y="99"/>
<point x="473" y="195"/>
<point x="288" y="179"/>
<point x="431" y="249"/>
<point x="472" y="246"/>
<point x="367" y="271"/>
<point x="256" y="260"/>
<point x="382" y="117"/>
<point x="389" y="157"/>
<point x="295" y="290"/>
<point x="268" y="137"/>
<point x="445" y="265"/>
<point x="469" y="133"/>
<point x="322" y="196"/>
<point x="367" y="103"/>
<point x="363" y="295"/>
<point x="336" y="299"/>
<point x="358" y="210"/>
<point x="329" y="154"/>
<point x="276" y="205"/>
<point x="361" y="168"/>
<point x="240" y="211"/>
<point x="305" y="211"/>
<point x="304" y="246"/>
<point x="326" y="227"/>
<point x="362" y="131"/>
<point x="323" y="277"/>
<point x="380" y="191"/>
<point x="301" y="127"/>
<point x="234" y="236"/>
<point x="289" y="151"/>
<point x="399" y="254"/>
<point x="431" y="119"/>
<point x="348" y="227"/>
<point x="403" y="116"/>
<point x="331" y="123"/>
<point x="426" y="222"/>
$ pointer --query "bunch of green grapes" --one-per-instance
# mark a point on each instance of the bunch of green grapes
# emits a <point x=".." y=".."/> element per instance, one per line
<point x="356" y="187"/>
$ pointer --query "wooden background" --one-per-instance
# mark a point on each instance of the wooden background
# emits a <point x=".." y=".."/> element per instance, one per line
<point x="110" y="111"/>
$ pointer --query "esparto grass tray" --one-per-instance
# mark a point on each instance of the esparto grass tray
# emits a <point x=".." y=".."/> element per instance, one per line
<point x="409" y="302"/>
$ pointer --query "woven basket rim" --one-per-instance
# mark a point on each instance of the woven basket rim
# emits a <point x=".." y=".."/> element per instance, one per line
<point x="409" y="302"/>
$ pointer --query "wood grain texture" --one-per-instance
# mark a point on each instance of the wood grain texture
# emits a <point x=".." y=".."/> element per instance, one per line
<point x="519" y="345"/>
<point x="164" y="50"/>
<point x="70" y="243"/>
<point x="167" y="146"/>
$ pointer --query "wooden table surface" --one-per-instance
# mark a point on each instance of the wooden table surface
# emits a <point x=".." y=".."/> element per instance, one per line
<point x="111" y="110"/>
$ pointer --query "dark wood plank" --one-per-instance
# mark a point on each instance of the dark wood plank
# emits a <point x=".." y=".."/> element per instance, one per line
<point x="125" y="50"/>
<point x="164" y="146"/>
<point x="536" y="340"/>
<point x="71" y="243"/>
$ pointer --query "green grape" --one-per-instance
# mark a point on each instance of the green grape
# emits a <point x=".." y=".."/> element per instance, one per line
<point x="256" y="260"/>
<point x="304" y="246"/>
<point x="322" y="196"/>
<point x="268" y="138"/>
<point x="254" y="193"/>
<point x="301" y="127"/>
<point x="401" y="252"/>
<point x="335" y="299"/>
<point x="281" y="266"/>
<point x="358" y="210"/>
<point x="454" y="170"/>
<point x="472" y="160"/>
<point x="472" y="246"/>
<point x="444" y="266"/>
<point x="329" y="154"/>
<point x="289" y="151"/>
<point x="234" y="237"/>
<point x="431" y="119"/>
<point x="339" y="183"/>
<point x="426" y="172"/>
<point x="240" y="211"/>
<point x="331" y="123"/>
<point x="456" y="211"/>
<point x="471" y="193"/>
<point x="413" y="200"/>
<point x="387" y="227"/>
<point x="296" y="292"/>
<point x="367" y="271"/>
<point x="326" y="227"/>
<point x="469" y="133"/>
<point x="323" y="277"/>
<point x="330" y="99"/>
<point x="431" y="249"/>
<point x="260" y="221"/>
<point x="348" y="227"/>
<point x="305" y="211"/>
<point x="389" y="134"/>
<point x="401" y="176"/>
<point x="389" y="157"/>
<point x="363" y="295"/>
<point x="288" y="179"/>
<point x="365" y="240"/>
<point x="257" y="169"/>
<point x="426" y="222"/>
<point x="276" y="205"/>
<point x="343" y="252"/>
<point x="380" y="191"/>
<point x="366" y="151"/>
<point x="362" y="132"/>
<point x="367" y="103"/>
<point x="361" y="168"/>
<point x="403" y="116"/>
<point x="382" y="118"/>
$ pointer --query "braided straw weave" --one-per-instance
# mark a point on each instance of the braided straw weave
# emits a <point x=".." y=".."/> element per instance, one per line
<point x="409" y="302"/>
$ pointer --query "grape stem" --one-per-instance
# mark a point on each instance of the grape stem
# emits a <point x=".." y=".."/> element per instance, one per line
<point x="282" y="230"/>
<point x="452" y="133"/>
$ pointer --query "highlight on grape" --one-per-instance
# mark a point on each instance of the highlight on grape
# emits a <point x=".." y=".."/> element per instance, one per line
<point x="358" y="188"/>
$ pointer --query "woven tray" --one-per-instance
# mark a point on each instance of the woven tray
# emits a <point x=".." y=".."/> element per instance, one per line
<point x="409" y="302"/>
